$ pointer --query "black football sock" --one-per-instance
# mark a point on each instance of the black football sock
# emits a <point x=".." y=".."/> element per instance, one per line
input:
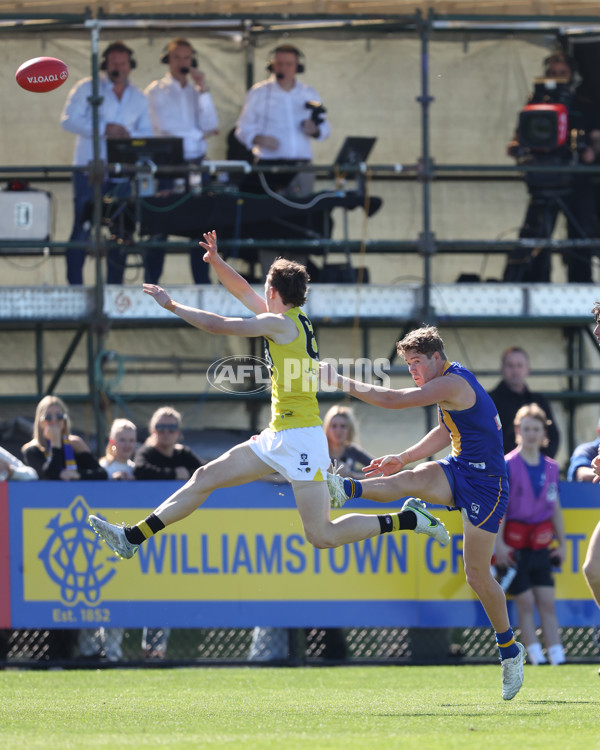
<point x="404" y="521"/>
<point x="144" y="529"/>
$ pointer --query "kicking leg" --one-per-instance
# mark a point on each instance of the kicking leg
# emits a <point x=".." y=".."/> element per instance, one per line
<point x="313" y="501"/>
<point x="237" y="466"/>
<point x="428" y="481"/>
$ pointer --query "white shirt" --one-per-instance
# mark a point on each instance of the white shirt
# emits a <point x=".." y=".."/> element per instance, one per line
<point x="271" y="110"/>
<point x="20" y="471"/>
<point x="131" y="111"/>
<point x="182" y="112"/>
<point x="113" y="466"/>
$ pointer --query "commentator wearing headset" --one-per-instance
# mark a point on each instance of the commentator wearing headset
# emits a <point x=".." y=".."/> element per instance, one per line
<point x="123" y="113"/>
<point x="280" y="116"/>
<point x="181" y="106"/>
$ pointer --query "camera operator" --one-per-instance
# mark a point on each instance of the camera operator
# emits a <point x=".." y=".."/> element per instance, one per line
<point x="279" y="118"/>
<point x="572" y="194"/>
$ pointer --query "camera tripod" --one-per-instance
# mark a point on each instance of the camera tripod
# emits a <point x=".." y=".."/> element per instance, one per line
<point x="577" y="204"/>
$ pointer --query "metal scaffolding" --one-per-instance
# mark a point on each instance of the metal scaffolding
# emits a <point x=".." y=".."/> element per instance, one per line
<point x="252" y="27"/>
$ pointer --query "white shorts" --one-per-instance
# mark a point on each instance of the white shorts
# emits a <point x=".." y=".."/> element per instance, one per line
<point x="300" y="454"/>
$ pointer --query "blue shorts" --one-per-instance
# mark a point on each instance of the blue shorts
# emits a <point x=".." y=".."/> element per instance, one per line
<point x="484" y="497"/>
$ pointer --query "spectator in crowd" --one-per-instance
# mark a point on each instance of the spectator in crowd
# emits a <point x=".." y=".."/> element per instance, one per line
<point x="162" y="456"/>
<point x="122" y="444"/>
<point x="12" y="468"/>
<point x="533" y="520"/>
<point x="181" y="106"/>
<point x="551" y="193"/>
<point x="123" y="113"/>
<point x="279" y="118"/>
<point x="580" y="465"/>
<point x="512" y="393"/>
<point x="57" y="454"/>
<point x="347" y="457"/>
<point x="118" y="464"/>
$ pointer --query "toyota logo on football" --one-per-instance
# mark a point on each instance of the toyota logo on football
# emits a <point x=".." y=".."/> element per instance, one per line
<point x="240" y="374"/>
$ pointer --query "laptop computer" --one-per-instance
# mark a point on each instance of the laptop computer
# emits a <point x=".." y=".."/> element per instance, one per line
<point x="354" y="150"/>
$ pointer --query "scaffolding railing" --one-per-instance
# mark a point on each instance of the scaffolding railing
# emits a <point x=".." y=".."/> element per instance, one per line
<point x="253" y="26"/>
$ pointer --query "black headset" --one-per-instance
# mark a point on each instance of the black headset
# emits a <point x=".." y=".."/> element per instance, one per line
<point x="117" y="47"/>
<point x="300" y="68"/>
<point x="164" y="55"/>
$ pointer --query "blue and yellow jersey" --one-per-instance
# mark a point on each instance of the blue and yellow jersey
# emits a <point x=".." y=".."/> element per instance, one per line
<point x="294" y="376"/>
<point x="476" y="433"/>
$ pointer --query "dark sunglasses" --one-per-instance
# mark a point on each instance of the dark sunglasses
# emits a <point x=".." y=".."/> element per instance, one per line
<point x="55" y="417"/>
<point x="169" y="427"/>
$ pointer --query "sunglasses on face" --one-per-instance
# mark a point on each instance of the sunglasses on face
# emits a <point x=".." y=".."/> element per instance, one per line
<point x="168" y="427"/>
<point x="53" y="417"/>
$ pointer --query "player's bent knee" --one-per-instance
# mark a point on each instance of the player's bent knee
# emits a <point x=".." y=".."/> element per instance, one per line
<point x="591" y="571"/>
<point x="320" y="539"/>
<point x="202" y="481"/>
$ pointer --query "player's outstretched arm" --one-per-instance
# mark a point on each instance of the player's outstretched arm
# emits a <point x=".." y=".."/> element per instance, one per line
<point x="370" y="394"/>
<point x="229" y="277"/>
<point x="272" y="325"/>
<point x="388" y="398"/>
<point x="436" y="440"/>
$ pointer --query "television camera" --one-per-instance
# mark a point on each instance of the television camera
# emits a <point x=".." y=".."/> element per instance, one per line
<point x="317" y="111"/>
<point x="546" y="134"/>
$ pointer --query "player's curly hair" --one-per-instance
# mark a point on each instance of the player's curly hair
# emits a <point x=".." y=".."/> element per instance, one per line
<point x="290" y="279"/>
<point x="596" y="311"/>
<point x="425" y="340"/>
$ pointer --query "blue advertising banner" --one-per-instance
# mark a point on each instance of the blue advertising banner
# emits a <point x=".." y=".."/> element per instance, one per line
<point x="242" y="560"/>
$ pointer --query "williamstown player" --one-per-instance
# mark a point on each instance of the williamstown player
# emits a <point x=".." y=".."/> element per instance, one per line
<point x="472" y="478"/>
<point x="294" y="444"/>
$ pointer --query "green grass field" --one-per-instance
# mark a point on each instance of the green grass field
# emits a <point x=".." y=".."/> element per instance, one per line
<point x="285" y="709"/>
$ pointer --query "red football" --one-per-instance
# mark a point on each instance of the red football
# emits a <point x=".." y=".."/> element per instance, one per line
<point x="42" y="74"/>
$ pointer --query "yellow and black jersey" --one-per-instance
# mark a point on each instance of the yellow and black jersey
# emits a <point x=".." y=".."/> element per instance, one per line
<point x="294" y="376"/>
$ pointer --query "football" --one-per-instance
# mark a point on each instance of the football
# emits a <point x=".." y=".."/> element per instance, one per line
<point x="42" y="74"/>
